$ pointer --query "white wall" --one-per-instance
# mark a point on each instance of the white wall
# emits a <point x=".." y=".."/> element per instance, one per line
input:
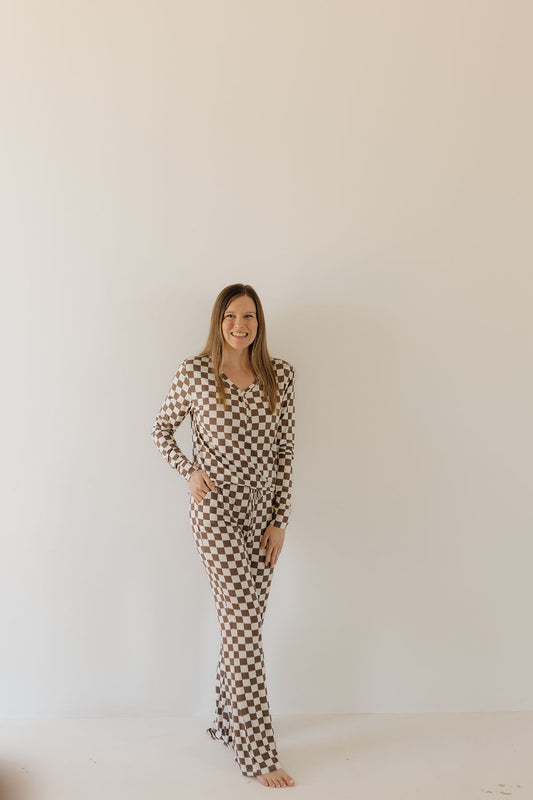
<point x="367" y="167"/>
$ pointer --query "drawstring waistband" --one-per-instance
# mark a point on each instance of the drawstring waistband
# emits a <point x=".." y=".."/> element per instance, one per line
<point x="256" y="494"/>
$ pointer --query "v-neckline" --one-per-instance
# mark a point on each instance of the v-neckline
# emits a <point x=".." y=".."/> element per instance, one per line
<point x="235" y="385"/>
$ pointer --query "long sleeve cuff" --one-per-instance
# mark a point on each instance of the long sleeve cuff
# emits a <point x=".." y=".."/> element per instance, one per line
<point x="281" y="519"/>
<point x="189" y="470"/>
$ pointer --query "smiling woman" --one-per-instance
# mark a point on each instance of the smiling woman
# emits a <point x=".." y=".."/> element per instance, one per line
<point x="239" y="328"/>
<point x="241" y="404"/>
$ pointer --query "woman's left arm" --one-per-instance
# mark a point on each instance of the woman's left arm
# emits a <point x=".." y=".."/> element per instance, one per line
<point x="284" y="459"/>
<point x="274" y="534"/>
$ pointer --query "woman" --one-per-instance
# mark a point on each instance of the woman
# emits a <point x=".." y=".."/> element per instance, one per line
<point x="241" y="403"/>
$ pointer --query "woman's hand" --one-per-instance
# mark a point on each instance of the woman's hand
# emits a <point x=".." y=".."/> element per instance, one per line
<point x="273" y="542"/>
<point x="199" y="485"/>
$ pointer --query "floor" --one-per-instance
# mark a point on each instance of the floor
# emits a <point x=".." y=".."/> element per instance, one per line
<point x="442" y="756"/>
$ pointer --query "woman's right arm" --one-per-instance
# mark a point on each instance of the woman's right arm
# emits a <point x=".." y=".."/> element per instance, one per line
<point x="175" y="408"/>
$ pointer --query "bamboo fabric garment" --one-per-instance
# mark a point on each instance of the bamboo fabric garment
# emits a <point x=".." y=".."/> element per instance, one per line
<point x="242" y="443"/>
<point x="248" y="454"/>
<point x="228" y="525"/>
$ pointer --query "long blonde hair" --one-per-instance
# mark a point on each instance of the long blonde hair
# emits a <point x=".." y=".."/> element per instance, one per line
<point x="259" y="357"/>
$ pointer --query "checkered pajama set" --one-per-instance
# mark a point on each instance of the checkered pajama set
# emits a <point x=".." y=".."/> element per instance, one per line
<point x="247" y="452"/>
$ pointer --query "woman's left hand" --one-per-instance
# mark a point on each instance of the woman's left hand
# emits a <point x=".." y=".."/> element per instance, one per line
<point x="272" y="541"/>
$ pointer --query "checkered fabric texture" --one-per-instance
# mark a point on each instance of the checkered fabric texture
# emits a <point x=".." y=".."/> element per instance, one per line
<point x="243" y="443"/>
<point x="228" y="525"/>
<point x="248" y="454"/>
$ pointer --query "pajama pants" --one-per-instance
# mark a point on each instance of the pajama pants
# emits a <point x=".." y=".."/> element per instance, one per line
<point x="228" y="525"/>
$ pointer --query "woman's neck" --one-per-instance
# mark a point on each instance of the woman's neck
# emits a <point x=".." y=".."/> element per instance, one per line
<point x="238" y="362"/>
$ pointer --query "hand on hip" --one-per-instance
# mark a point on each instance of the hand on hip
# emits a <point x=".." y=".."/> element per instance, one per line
<point x="200" y="484"/>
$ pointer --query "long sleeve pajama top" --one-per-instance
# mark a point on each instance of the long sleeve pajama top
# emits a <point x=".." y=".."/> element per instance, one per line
<point x="243" y="443"/>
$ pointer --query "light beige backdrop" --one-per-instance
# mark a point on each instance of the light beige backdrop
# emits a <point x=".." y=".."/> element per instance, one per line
<point x="367" y="167"/>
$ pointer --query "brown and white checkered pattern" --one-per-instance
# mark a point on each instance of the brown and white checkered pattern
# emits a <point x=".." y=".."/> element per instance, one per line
<point x="248" y="453"/>
<point x="228" y="525"/>
<point x="242" y="443"/>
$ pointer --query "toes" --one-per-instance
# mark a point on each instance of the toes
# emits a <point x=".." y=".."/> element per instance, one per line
<point x="288" y="781"/>
<point x="276" y="779"/>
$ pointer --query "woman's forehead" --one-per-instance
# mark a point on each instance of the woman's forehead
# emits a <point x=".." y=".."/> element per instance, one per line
<point x="242" y="303"/>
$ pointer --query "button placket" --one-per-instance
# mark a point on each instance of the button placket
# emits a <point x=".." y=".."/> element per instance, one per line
<point x="243" y="399"/>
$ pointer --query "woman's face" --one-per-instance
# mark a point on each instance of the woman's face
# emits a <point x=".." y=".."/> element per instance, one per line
<point x="239" y="325"/>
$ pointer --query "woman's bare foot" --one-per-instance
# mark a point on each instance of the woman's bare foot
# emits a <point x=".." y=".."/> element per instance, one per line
<point x="277" y="778"/>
